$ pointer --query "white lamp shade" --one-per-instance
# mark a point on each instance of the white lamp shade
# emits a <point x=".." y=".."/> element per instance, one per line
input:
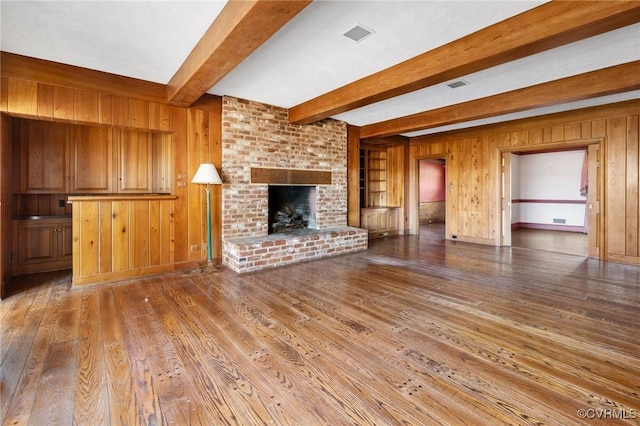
<point x="206" y="173"/>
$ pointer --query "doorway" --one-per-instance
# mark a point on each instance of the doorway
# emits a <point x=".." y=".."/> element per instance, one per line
<point x="432" y="197"/>
<point x="551" y="199"/>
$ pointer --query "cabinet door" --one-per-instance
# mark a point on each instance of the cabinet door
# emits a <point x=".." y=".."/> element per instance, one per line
<point x="383" y="221"/>
<point x="37" y="243"/>
<point x="42" y="245"/>
<point x="44" y="166"/>
<point x="134" y="161"/>
<point x="65" y="240"/>
<point x="393" y="222"/>
<point x="91" y="160"/>
<point x="369" y="221"/>
<point x="162" y="154"/>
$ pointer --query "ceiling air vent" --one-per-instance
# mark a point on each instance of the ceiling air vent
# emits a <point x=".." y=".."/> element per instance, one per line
<point x="457" y="84"/>
<point x="358" y="33"/>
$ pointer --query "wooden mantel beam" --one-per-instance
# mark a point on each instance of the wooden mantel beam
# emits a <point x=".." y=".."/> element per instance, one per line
<point x="241" y="27"/>
<point x="607" y="81"/>
<point x="545" y="27"/>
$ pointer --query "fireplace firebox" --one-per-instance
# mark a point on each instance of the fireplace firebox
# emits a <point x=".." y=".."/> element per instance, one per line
<point x="291" y="207"/>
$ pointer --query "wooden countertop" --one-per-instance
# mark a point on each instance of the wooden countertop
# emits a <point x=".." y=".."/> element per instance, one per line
<point x="118" y="197"/>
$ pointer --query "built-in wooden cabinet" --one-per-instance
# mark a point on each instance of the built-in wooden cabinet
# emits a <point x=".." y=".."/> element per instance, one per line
<point x="380" y="221"/>
<point x="90" y="160"/>
<point x="41" y="245"/>
<point x="134" y="161"/>
<point x="380" y="211"/>
<point x="144" y="162"/>
<point x="61" y="158"/>
<point x="161" y="163"/>
<point x="44" y="157"/>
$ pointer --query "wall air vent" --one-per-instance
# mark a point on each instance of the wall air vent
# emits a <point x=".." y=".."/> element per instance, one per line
<point x="457" y="84"/>
<point x="358" y="33"/>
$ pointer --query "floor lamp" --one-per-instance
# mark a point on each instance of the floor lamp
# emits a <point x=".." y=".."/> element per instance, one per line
<point x="207" y="174"/>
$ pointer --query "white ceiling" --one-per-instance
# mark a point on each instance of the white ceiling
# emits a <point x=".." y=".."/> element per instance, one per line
<point x="309" y="56"/>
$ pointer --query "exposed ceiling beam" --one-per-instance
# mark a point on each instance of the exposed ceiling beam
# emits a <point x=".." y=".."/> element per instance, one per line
<point x="607" y="81"/>
<point x="542" y="28"/>
<point x="241" y="27"/>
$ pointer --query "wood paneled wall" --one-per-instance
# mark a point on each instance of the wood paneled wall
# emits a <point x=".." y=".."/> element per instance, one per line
<point x="6" y="197"/>
<point x="396" y="177"/>
<point x="202" y="145"/>
<point x="119" y="237"/>
<point x="195" y="132"/>
<point x="353" y="176"/>
<point x="474" y="174"/>
<point x="623" y="204"/>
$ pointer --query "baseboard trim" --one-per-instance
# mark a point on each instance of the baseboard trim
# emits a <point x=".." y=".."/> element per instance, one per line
<point x="548" y="227"/>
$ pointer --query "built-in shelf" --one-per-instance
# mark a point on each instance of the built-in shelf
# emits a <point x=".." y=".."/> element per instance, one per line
<point x="373" y="178"/>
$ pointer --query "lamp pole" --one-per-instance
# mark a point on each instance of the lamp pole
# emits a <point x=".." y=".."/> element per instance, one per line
<point x="207" y="174"/>
<point x="209" y="251"/>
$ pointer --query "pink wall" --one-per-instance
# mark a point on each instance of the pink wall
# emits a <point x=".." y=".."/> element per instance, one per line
<point x="432" y="181"/>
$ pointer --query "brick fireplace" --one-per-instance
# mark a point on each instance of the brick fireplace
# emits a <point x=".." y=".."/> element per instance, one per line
<point x="260" y="148"/>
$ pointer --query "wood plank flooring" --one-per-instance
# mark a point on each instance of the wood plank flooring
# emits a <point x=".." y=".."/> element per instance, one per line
<point x="414" y="331"/>
<point x="557" y="241"/>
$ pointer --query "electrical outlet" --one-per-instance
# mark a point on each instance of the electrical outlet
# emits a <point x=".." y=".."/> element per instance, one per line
<point x="195" y="247"/>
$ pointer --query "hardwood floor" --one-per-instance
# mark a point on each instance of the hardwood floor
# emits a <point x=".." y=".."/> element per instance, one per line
<point x="413" y="331"/>
<point x="557" y="241"/>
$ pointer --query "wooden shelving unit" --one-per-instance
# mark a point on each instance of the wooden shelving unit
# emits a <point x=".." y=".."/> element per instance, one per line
<point x="373" y="178"/>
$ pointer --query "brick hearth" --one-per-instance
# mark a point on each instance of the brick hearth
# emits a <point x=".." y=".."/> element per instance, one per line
<point x="255" y="253"/>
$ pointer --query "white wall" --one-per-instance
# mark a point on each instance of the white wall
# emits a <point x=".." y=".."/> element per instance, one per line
<point x="547" y="176"/>
<point x="515" y="187"/>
